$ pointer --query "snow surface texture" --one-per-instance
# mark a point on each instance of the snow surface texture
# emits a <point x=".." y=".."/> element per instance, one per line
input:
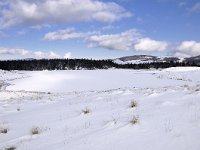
<point x="93" y="110"/>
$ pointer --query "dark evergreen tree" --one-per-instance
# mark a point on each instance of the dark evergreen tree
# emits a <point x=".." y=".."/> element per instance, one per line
<point x="77" y="64"/>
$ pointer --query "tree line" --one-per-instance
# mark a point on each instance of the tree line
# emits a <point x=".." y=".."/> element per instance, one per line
<point x="78" y="64"/>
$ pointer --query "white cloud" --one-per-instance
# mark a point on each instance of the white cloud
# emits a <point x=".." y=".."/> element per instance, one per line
<point x="67" y="34"/>
<point x="129" y="40"/>
<point x="121" y="41"/>
<point x="21" y="33"/>
<point x="67" y="55"/>
<point x="48" y="55"/>
<point x="39" y="12"/>
<point x="39" y="27"/>
<point x="188" y="49"/>
<point x="182" y="4"/>
<point x="109" y="27"/>
<point x="63" y="35"/>
<point x="196" y="7"/>
<point x="147" y="44"/>
<point x="17" y="53"/>
<point x="12" y="51"/>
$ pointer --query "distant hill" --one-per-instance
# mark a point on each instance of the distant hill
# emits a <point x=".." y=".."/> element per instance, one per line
<point x="195" y="60"/>
<point x="128" y="62"/>
<point x="141" y="59"/>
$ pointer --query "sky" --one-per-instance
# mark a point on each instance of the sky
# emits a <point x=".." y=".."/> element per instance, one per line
<point x="98" y="29"/>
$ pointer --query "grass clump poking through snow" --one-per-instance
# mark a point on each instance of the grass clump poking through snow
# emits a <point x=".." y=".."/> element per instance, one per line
<point x="18" y="109"/>
<point x="3" y="130"/>
<point x="10" y="148"/>
<point x="35" y="131"/>
<point x="86" y="111"/>
<point x="134" y="120"/>
<point x="133" y="104"/>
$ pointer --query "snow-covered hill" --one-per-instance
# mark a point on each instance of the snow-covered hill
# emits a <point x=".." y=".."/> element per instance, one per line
<point x="100" y="109"/>
<point x="195" y="60"/>
<point x="138" y="59"/>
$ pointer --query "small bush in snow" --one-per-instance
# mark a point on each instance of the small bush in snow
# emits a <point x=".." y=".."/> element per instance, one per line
<point x="10" y="148"/>
<point x="86" y="111"/>
<point x="115" y="120"/>
<point x="134" y="120"/>
<point x="133" y="104"/>
<point x="3" y="130"/>
<point x="35" y="130"/>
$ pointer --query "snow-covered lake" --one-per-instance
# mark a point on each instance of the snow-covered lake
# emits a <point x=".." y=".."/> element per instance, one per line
<point x="167" y="111"/>
<point x="90" y="80"/>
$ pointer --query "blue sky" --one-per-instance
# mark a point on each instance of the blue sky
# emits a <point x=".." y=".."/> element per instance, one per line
<point x="98" y="28"/>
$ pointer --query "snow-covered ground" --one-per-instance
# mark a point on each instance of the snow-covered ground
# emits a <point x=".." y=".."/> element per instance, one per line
<point x="91" y="110"/>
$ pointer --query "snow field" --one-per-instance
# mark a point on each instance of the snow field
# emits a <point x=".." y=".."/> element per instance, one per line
<point x="168" y="113"/>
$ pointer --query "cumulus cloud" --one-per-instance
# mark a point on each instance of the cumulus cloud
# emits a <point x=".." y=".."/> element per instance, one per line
<point x="63" y="35"/>
<point x="147" y="44"/>
<point x="121" y="41"/>
<point x="68" y="55"/>
<point x="38" y="12"/>
<point x="128" y="40"/>
<point x="188" y="49"/>
<point x="16" y="53"/>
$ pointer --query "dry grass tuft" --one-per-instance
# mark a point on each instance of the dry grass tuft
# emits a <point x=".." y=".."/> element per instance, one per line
<point x="3" y="130"/>
<point x="11" y="148"/>
<point x="133" y="104"/>
<point x="35" y="130"/>
<point x="86" y="111"/>
<point x="134" y="120"/>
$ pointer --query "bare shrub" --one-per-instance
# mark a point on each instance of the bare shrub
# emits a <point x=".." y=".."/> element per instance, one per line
<point x="35" y="130"/>
<point x="133" y="104"/>
<point x="134" y="120"/>
<point x="86" y="111"/>
<point x="3" y="130"/>
<point x="11" y="148"/>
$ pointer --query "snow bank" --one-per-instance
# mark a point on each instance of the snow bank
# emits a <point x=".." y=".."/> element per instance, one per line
<point x="182" y="69"/>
